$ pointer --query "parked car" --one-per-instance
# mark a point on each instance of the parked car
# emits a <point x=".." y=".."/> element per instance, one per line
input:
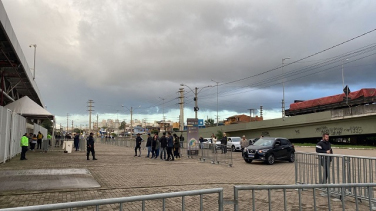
<point x="206" y="143"/>
<point x="252" y="141"/>
<point x="269" y="149"/>
<point x="233" y="143"/>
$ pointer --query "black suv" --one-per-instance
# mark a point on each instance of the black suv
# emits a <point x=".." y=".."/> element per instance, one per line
<point x="269" y="149"/>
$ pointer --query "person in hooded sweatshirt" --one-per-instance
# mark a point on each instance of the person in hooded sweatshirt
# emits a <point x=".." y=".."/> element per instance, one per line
<point x="148" y="145"/>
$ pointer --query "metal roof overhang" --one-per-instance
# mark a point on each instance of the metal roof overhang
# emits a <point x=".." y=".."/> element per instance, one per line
<point x="14" y="70"/>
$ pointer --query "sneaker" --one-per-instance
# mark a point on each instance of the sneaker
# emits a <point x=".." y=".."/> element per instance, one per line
<point x="95" y="159"/>
<point x="139" y="156"/>
<point x="135" y="155"/>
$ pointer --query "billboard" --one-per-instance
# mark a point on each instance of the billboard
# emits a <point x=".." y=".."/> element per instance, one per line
<point x="192" y="135"/>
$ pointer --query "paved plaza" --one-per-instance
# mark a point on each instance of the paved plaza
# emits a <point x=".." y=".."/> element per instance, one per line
<point x="120" y="174"/>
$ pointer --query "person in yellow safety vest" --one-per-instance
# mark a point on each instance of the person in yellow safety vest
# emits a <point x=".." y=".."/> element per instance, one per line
<point x="24" y="145"/>
<point x="49" y="139"/>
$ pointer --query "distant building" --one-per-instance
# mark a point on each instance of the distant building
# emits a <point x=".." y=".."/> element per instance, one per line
<point x="236" y="119"/>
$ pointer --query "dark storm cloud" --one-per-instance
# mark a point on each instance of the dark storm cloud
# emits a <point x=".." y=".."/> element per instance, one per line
<point x="133" y="52"/>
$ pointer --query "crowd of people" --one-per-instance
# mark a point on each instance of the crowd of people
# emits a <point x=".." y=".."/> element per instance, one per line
<point x="167" y="147"/>
<point x="30" y="140"/>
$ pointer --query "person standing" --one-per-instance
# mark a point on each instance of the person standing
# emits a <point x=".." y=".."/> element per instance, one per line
<point x="214" y="143"/>
<point x="33" y="141"/>
<point x="157" y="147"/>
<point x="39" y="140"/>
<point x="76" y="141"/>
<point x="170" y="145"/>
<point x="163" y="150"/>
<point x="24" y="145"/>
<point x="176" y="146"/>
<point x="138" y="145"/>
<point x="243" y="143"/>
<point x="148" y="145"/>
<point x="90" y="147"/>
<point x="224" y="143"/>
<point x="324" y="146"/>
<point x="153" y="145"/>
<point x="181" y="140"/>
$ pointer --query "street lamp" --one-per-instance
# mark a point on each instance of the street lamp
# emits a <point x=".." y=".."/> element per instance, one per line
<point x="217" y="98"/>
<point x="283" y="86"/>
<point x="131" y="110"/>
<point x="35" y="54"/>
<point x="343" y="78"/>
<point x="195" y="98"/>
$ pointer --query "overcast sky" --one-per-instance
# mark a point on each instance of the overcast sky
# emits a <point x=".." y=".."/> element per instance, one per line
<point x="134" y="53"/>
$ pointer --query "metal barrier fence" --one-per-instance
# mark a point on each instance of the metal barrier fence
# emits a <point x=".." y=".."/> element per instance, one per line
<point x="142" y="199"/>
<point x="12" y="128"/>
<point x="314" y="168"/>
<point x="253" y="197"/>
<point x="302" y="197"/>
<point x="216" y="154"/>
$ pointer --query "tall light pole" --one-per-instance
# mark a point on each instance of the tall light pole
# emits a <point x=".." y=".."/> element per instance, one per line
<point x="343" y="78"/>
<point x="195" y="98"/>
<point x="35" y="54"/>
<point x="217" y="99"/>
<point x="131" y="110"/>
<point x="283" y="86"/>
<point x="163" y="117"/>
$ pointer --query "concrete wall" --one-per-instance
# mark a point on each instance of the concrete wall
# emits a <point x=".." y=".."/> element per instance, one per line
<point x="303" y="126"/>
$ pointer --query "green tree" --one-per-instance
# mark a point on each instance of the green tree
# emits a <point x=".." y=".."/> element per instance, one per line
<point x="209" y="122"/>
<point x="48" y="125"/>
<point x="122" y="125"/>
<point x="77" y="130"/>
<point x="219" y="134"/>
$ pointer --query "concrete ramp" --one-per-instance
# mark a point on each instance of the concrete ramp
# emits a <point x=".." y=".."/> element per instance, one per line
<point x="46" y="179"/>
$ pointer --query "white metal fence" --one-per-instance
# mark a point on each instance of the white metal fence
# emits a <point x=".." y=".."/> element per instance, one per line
<point x="12" y="128"/>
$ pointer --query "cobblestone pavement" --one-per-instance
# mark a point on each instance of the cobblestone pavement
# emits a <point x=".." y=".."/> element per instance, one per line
<point x="120" y="174"/>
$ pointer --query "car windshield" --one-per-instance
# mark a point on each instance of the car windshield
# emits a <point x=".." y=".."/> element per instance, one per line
<point x="235" y="139"/>
<point x="264" y="142"/>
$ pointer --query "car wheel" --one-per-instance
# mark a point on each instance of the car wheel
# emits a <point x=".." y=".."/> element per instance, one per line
<point x="233" y="148"/>
<point x="270" y="160"/>
<point x="248" y="161"/>
<point x="292" y="157"/>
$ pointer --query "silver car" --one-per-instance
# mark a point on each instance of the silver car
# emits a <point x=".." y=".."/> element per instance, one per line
<point x="233" y="143"/>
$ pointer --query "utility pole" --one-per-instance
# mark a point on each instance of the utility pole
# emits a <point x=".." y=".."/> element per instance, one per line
<point x="217" y="99"/>
<point x="131" y="122"/>
<point x="67" y="122"/>
<point x="196" y="103"/>
<point x="90" y="109"/>
<point x="181" y="117"/>
<point x="283" y="83"/>
<point x="72" y="126"/>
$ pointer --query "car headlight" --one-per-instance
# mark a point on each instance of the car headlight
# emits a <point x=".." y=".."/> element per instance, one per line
<point x="263" y="150"/>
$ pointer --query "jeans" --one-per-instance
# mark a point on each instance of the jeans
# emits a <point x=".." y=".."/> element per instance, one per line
<point x="169" y="153"/>
<point x="39" y="146"/>
<point x="163" y="152"/>
<point x="23" y="152"/>
<point x="156" y="153"/>
<point x="135" y="150"/>
<point x="149" y="151"/>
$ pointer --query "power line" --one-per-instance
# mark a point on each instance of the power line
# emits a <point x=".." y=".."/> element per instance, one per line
<point x="327" y="49"/>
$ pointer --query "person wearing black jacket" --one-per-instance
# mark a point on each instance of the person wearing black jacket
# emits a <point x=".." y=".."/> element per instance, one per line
<point x="324" y="146"/>
<point x="170" y="146"/>
<point x="76" y="141"/>
<point x="163" y="150"/>
<point x="148" y="145"/>
<point x="154" y="146"/>
<point x="90" y="147"/>
<point x="224" y="143"/>
<point x="138" y="145"/>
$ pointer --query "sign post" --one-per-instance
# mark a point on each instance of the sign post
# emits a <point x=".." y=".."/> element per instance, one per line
<point x="192" y="135"/>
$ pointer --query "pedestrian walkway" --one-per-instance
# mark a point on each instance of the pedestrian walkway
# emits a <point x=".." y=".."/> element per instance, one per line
<point x="120" y="174"/>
